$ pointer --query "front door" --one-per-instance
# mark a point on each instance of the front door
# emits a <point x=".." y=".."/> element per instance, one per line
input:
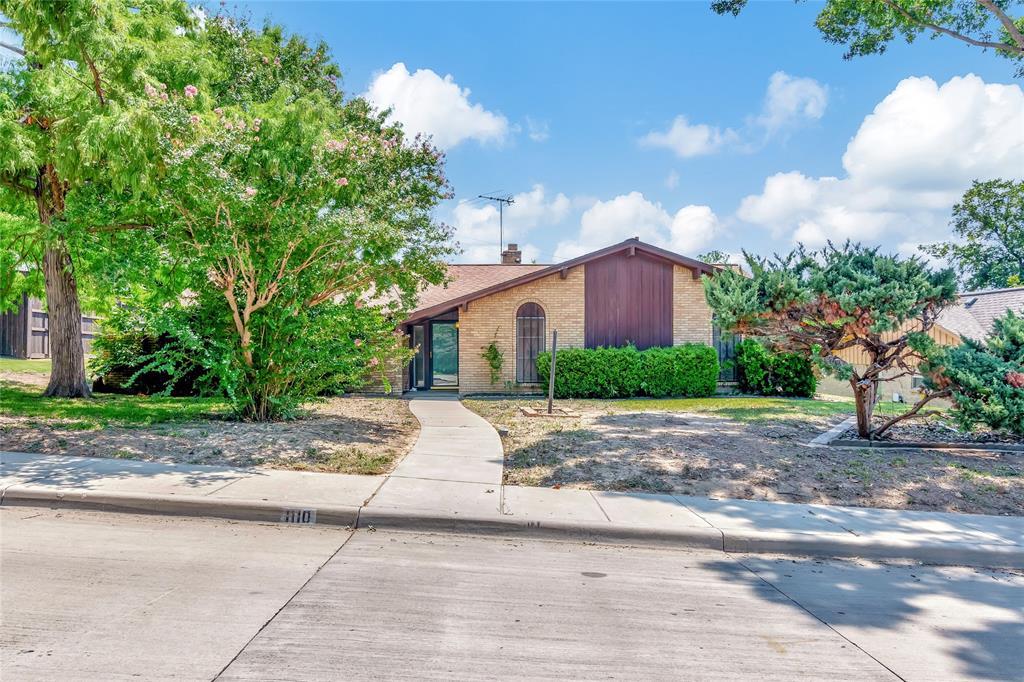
<point x="444" y="354"/>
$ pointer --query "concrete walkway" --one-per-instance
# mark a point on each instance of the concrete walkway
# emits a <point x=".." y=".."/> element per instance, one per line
<point x="451" y="481"/>
<point x="454" y="468"/>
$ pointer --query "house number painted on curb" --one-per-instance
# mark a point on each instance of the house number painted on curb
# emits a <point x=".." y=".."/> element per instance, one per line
<point x="307" y="516"/>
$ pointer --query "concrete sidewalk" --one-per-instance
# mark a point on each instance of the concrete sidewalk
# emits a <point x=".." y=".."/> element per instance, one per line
<point x="488" y="508"/>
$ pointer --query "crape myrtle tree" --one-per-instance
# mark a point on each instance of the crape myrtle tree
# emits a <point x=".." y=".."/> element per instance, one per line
<point x="849" y="297"/>
<point x="300" y="222"/>
<point x="989" y="225"/>
<point x="868" y="26"/>
<point x="78" y="150"/>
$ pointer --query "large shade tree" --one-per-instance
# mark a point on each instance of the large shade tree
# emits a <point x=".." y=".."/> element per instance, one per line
<point x="79" y="148"/>
<point x="822" y="303"/>
<point x="867" y="27"/>
<point x="988" y="224"/>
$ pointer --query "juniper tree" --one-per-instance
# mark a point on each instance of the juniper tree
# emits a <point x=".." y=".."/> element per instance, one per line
<point x="842" y="298"/>
<point x="987" y="378"/>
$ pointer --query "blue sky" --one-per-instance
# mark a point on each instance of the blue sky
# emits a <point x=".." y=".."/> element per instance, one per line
<point x="571" y="107"/>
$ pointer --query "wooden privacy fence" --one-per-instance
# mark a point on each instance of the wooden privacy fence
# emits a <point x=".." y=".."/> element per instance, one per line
<point x="25" y="331"/>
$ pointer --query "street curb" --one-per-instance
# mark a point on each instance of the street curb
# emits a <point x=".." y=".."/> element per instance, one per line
<point x="826" y="545"/>
<point x="840" y="545"/>
<point x="508" y="525"/>
<point x="175" y="505"/>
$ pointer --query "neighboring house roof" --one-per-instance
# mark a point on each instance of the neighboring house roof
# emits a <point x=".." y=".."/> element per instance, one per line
<point x="976" y="311"/>
<point x="469" y="281"/>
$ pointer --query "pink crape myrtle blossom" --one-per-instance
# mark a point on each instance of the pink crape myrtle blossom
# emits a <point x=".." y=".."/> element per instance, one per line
<point x="374" y="362"/>
<point x="191" y="91"/>
<point x="341" y="182"/>
<point x="358" y="342"/>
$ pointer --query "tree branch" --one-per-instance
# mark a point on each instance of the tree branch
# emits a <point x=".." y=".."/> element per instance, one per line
<point x="1007" y="22"/>
<point x="120" y="227"/>
<point x="96" y="82"/>
<point x="1002" y="47"/>
<point x="912" y="412"/>
<point x="12" y="48"/>
<point x="16" y="187"/>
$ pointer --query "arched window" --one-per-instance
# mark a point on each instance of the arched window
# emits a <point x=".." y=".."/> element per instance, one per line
<point x="529" y="341"/>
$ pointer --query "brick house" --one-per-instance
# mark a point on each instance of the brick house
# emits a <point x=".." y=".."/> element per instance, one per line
<point x="630" y="292"/>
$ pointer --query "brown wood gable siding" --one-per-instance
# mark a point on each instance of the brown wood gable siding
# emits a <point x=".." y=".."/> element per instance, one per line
<point x="628" y="299"/>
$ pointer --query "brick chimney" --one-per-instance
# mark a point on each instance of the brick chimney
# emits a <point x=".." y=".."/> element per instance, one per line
<point x="512" y="255"/>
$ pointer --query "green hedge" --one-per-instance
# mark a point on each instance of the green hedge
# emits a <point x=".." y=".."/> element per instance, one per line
<point x="687" y="370"/>
<point x="758" y="370"/>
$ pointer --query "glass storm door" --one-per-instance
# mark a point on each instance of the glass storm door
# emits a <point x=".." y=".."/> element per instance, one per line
<point x="444" y="354"/>
<point x="418" y="369"/>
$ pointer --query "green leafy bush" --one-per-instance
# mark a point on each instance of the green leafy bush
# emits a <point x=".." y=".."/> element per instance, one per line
<point x="987" y="379"/>
<point x="687" y="370"/>
<point x="758" y="370"/>
<point x="137" y="354"/>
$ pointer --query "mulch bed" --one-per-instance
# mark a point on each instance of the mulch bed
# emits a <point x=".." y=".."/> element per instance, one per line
<point x="934" y="434"/>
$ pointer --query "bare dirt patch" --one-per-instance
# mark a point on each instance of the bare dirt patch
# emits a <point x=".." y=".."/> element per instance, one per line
<point x="620" y="446"/>
<point x="358" y="435"/>
<point x="34" y="379"/>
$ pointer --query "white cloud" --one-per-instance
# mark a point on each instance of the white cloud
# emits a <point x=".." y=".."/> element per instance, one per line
<point x="672" y="181"/>
<point x="538" y="131"/>
<point x="424" y="102"/>
<point x="633" y="215"/>
<point x="909" y="162"/>
<point x="687" y="140"/>
<point x="476" y="224"/>
<point x="791" y="100"/>
<point x="693" y="228"/>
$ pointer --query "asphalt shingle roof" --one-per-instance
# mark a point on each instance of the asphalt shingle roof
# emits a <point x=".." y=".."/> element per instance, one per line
<point x="975" y="312"/>
<point x="467" y="279"/>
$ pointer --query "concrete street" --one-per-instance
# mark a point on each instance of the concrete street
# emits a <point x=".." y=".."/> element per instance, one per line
<point x="102" y="596"/>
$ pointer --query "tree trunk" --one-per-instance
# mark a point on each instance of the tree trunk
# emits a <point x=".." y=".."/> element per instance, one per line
<point x="67" y="355"/>
<point x="864" y="398"/>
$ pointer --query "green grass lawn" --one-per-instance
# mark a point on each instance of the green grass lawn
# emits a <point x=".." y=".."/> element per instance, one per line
<point x="28" y="366"/>
<point x="107" y="409"/>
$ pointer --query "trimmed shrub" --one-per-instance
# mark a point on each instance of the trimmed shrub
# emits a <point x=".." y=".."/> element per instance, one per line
<point x="687" y="370"/>
<point x="759" y="370"/>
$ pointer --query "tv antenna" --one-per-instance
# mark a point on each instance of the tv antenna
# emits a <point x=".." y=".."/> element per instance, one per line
<point x="502" y="202"/>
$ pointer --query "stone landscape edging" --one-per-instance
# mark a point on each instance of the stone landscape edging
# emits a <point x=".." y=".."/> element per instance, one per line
<point x="924" y="445"/>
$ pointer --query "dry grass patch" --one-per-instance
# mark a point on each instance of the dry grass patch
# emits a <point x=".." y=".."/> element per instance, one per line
<point x="355" y="435"/>
<point x="747" y="448"/>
